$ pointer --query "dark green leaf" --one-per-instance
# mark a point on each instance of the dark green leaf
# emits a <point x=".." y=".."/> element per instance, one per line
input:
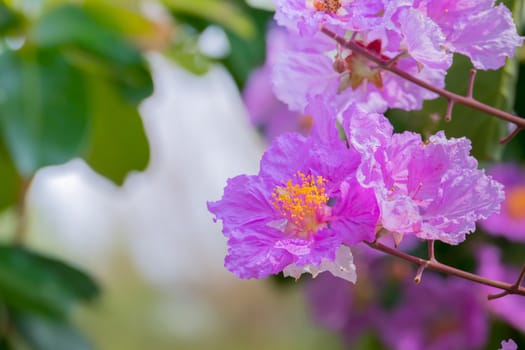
<point x="84" y="31"/>
<point x="42" y="109"/>
<point x="247" y="54"/>
<point x="92" y="44"/>
<point x="118" y="143"/>
<point x="225" y="13"/>
<point x="41" y="285"/>
<point x="9" y="19"/>
<point x="186" y="52"/>
<point x="45" y="334"/>
<point x="9" y="180"/>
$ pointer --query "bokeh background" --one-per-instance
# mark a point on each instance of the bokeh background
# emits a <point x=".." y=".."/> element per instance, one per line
<point x="119" y="120"/>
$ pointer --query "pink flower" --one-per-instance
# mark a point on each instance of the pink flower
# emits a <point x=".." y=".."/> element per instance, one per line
<point x="317" y="66"/>
<point x="307" y="16"/>
<point x="508" y="345"/>
<point x="266" y="112"/>
<point x="298" y="211"/>
<point x="475" y="28"/>
<point x="432" y="189"/>
<point x="510" y="222"/>
<point x="437" y="314"/>
<point x="510" y="308"/>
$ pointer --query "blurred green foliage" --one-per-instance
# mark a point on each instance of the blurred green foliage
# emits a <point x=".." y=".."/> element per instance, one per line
<point x="72" y="76"/>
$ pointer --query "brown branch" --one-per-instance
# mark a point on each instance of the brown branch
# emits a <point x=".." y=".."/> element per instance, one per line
<point x="508" y="138"/>
<point x="437" y="266"/>
<point x="21" y="227"/>
<point x="468" y="101"/>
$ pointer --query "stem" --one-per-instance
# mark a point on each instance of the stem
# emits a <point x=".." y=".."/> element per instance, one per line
<point x="506" y="139"/>
<point x="437" y="266"/>
<point x="468" y="101"/>
<point x="21" y="228"/>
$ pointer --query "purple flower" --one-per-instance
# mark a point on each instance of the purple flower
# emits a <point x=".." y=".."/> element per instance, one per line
<point x="351" y="310"/>
<point x="508" y="345"/>
<point x="476" y="29"/>
<point x="510" y="308"/>
<point x="301" y="207"/>
<point x="266" y="112"/>
<point x="307" y="16"/>
<point x="437" y="314"/>
<point x="317" y="66"/>
<point x="510" y="222"/>
<point x="432" y="189"/>
<point x="427" y="30"/>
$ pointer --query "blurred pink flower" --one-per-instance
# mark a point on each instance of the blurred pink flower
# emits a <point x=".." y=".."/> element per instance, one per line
<point x="510" y="222"/>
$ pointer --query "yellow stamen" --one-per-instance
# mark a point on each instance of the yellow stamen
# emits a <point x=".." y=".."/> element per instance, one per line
<point x="328" y="6"/>
<point x="515" y="202"/>
<point x="302" y="201"/>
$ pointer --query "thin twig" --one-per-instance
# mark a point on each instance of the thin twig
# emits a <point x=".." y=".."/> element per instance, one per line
<point x="437" y="266"/>
<point x="472" y="77"/>
<point x="21" y="227"/>
<point x="431" y="251"/>
<point x="450" y="96"/>
<point x="507" y="139"/>
<point x="450" y="107"/>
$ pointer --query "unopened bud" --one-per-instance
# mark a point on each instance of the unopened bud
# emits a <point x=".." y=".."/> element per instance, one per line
<point x="339" y="65"/>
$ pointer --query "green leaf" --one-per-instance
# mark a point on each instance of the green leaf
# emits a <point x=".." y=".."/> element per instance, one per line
<point x="248" y="54"/>
<point x="33" y="283"/>
<point x="185" y="51"/>
<point x="118" y="143"/>
<point x="495" y="88"/>
<point x="45" y="334"/>
<point x="97" y="46"/>
<point x="84" y="31"/>
<point x="10" y="181"/>
<point x="9" y="19"/>
<point x="222" y="12"/>
<point x="43" y="116"/>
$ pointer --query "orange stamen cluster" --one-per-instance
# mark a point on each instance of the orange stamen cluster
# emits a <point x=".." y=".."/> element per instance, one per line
<point x="328" y="6"/>
<point x="515" y="202"/>
<point x="301" y="201"/>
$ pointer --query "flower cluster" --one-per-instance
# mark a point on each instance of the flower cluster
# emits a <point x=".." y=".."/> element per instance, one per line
<point x="315" y="194"/>
<point x="353" y="178"/>
<point x="418" y="36"/>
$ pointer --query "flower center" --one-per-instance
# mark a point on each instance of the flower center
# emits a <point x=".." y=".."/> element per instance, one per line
<point x="516" y="202"/>
<point x="328" y="6"/>
<point x="303" y="202"/>
<point x="357" y="69"/>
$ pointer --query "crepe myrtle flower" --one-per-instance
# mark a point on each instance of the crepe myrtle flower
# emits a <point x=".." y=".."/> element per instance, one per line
<point x="318" y="66"/>
<point x="307" y="16"/>
<point x="475" y="28"/>
<point x="429" y="31"/>
<point x="510" y="222"/>
<point x="266" y="112"/>
<point x="511" y="308"/>
<point x="508" y="345"/>
<point x="300" y="209"/>
<point x="437" y="314"/>
<point x="430" y="189"/>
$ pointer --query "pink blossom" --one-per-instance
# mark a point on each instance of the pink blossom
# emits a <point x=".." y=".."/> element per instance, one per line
<point x="510" y="222"/>
<point x="432" y="189"/>
<point x="508" y="345"/>
<point x="267" y="113"/>
<point x="317" y="66"/>
<point x="437" y="314"/>
<point x="301" y="207"/>
<point x="475" y="28"/>
<point x="307" y="16"/>
<point x="510" y="308"/>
